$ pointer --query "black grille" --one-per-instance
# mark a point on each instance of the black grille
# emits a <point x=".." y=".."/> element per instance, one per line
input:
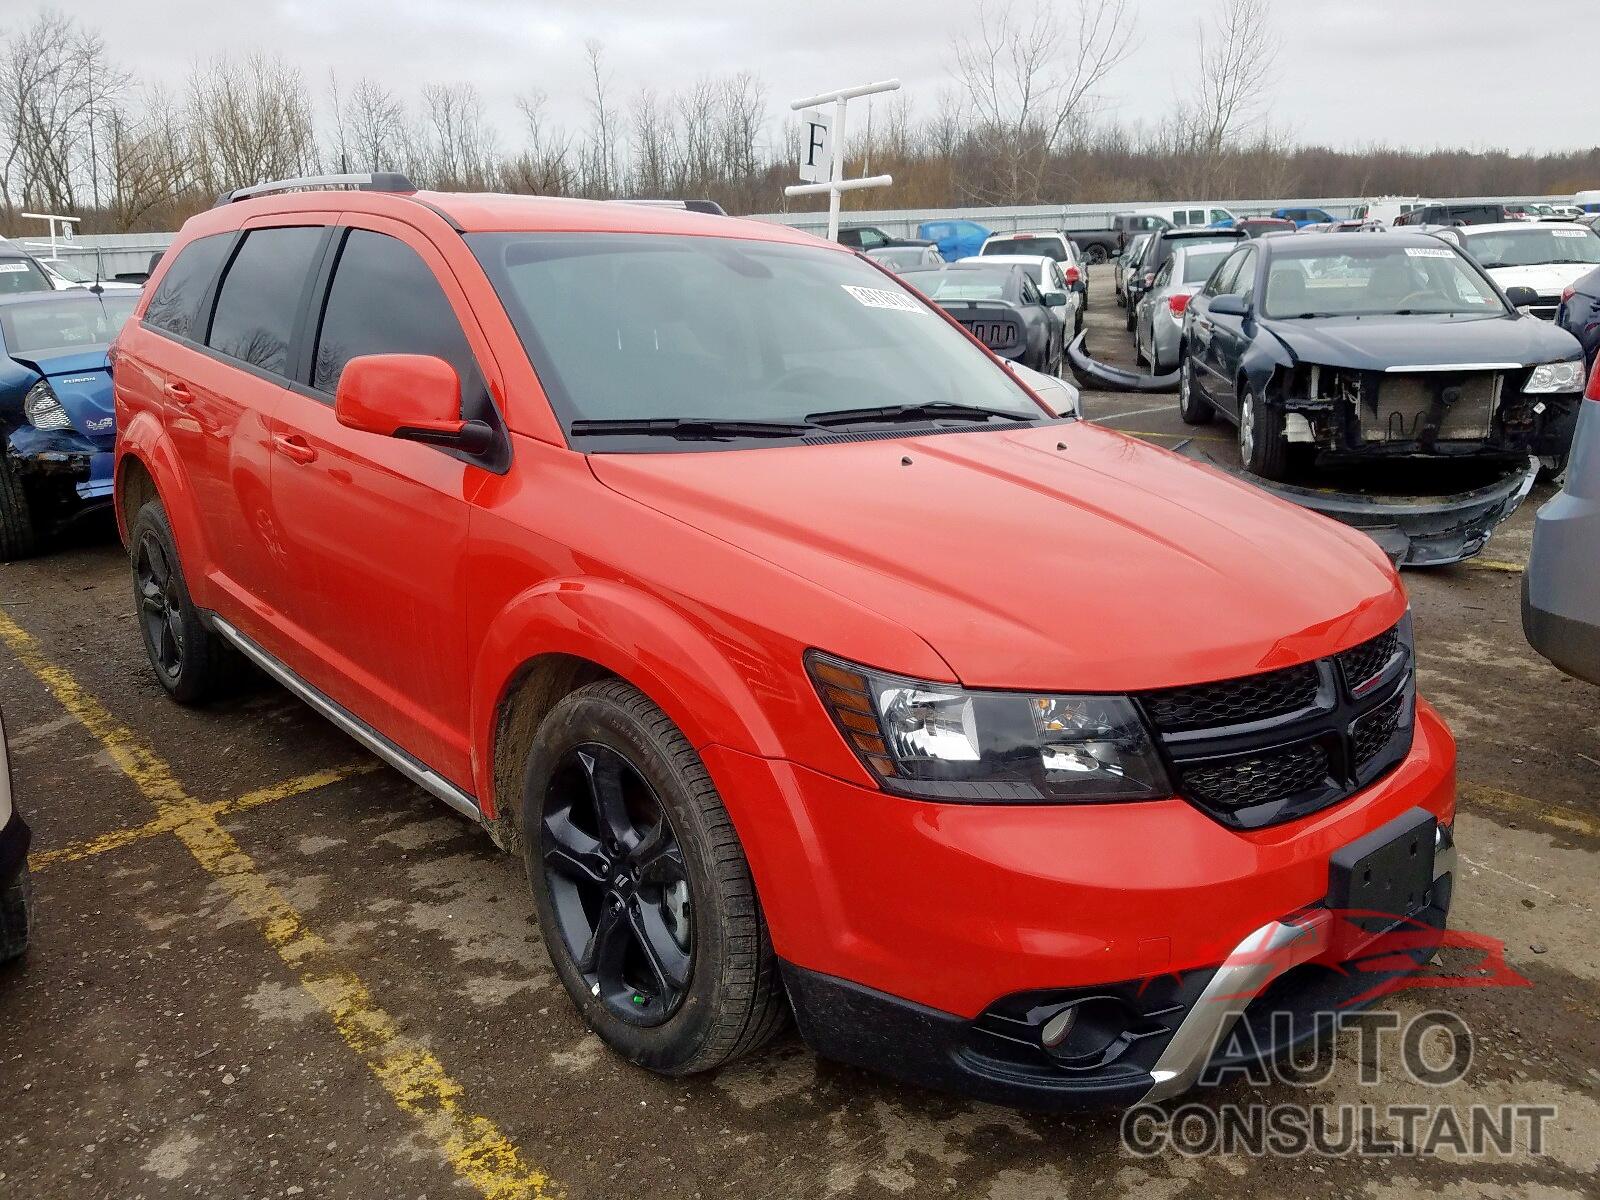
<point x="1363" y="663"/>
<point x="1234" y="701"/>
<point x="1274" y="747"/>
<point x="1260" y="778"/>
<point x="1373" y="731"/>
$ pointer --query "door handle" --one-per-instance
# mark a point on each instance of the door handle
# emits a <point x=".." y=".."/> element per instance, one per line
<point x="294" y="447"/>
<point x="179" y="394"/>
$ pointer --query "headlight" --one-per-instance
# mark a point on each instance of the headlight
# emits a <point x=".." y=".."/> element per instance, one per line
<point x="42" y="408"/>
<point x="1557" y="377"/>
<point x="939" y="741"/>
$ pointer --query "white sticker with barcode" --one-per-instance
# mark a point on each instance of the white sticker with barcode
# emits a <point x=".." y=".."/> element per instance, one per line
<point x="1429" y="252"/>
<point x="12" y="267"/>
<point x="1572" y="233"/>
<point x="883" y="298"/>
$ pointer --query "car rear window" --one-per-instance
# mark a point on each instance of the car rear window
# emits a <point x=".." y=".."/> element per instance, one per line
<point x="1535" y="246"/>
<point x="18" y="276"/>
<point x="1197" y="268"/>
<point x="75" y="321"/>
<point x="175" y="307"/>
<point x="1038" y="247"/>
<point x="261" y="296"/>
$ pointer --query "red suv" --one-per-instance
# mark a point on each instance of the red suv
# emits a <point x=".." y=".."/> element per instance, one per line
<point x="811" y="662"/>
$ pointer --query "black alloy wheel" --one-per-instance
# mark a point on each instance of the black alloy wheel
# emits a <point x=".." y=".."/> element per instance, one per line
<point x="618" y="885"/>
<point x="160" y="606"/>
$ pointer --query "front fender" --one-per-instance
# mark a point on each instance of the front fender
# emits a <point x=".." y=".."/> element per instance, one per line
<point x="143" y="439"/>
<point x="1266" y="355"/>
<point x="683" y="666"/>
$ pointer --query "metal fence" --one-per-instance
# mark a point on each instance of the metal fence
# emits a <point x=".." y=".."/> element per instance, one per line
<point x="903" y="222"/>
<point x="105" y="254"/>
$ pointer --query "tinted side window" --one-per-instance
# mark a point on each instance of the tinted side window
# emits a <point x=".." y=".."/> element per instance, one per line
<point x="176" y="305"/>
<point x="261" y="294"/>
<point x="385" y="300"/>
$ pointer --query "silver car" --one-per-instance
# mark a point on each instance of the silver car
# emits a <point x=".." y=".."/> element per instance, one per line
<point x="1124" y="264"/>
<point x="901" y="259"/>
<point x="1158" y="323"/>
<point x="1560" y="591"/>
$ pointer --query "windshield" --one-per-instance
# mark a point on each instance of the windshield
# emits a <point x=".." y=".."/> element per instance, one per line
<point x="1040" y="247"/>
<point x="1197" y="268"/>
<point x="1534" y="246"/>
<point x="18" y="275"/>
<point x="646" y="326"/>
<point x="1375" y="281"/>
<point x="75" y="321"/>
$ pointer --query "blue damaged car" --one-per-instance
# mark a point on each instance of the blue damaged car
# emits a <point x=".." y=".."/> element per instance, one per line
<point x="57" y="422"/>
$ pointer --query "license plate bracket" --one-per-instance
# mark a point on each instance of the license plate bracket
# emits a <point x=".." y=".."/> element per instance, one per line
<point x="1379" y="880"/>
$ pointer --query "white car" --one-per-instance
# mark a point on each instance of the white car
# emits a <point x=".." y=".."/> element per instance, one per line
<point x="1051" y="278"/>
<point x="1387" y="209"/>
<point x="1027" y="244"/>
<point x="65" y="276"/>
<point x="1544" y="256"/>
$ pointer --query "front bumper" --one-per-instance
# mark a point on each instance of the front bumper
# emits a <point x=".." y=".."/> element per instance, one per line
<point x="949" y="906"/>
<point x="1279" y="987"/>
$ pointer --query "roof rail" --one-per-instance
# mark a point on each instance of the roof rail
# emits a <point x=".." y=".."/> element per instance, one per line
<point x="700" y="206"/>
<point x="366" y="181"/>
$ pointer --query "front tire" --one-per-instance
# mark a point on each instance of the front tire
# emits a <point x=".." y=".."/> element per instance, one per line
<point x="189" y="660"/>
<point x="1193" y="408"/>
<point x="1263" y="448"/>
<point x="643" y="892"/>
<point x="19" y="531"/>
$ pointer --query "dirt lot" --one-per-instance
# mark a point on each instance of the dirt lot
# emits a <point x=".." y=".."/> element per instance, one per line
<point x="266" y="966"/>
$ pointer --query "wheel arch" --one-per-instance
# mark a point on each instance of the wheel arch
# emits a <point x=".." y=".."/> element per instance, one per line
<point x="562" y="634"/>
<point x="147" y="469"/>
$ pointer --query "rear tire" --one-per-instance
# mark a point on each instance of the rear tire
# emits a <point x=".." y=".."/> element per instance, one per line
<point x="190" y="661"/>
<point x="19" y="533"/>
<point x="1094" y="255"/>
<point x="16" y="916"/>
<point x="1133" y="318"/>
<point x="606" y="893"/>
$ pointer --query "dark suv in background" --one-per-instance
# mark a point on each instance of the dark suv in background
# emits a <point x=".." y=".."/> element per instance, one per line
<point x="1455" y="214"/>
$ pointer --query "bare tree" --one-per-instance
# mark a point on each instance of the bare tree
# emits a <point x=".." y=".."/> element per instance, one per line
<point x="1236" y="59"/>
<point x="1031" y="74"/>
<point x="544" y="165"/>
<point x="376" y="121"/>
<point x="457" y="144"/>
<point x="249" y="120"/>
<point x="599" y="174"/>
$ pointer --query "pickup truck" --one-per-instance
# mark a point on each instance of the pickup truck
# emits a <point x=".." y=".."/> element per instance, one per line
<point x="1102" y="245"/>
<point x="870" y="237"/>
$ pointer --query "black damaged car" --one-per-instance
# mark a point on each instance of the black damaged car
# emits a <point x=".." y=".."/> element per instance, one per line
<point x="1000" y="306"/>
<point x="1371" y="346"/>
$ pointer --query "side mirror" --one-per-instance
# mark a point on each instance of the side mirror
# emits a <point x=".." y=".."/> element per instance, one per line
<point x="1522" y="297"/>
<point x="413" y="397"/>
<point x="1230" y="306"/>
<point x="1054" y="299"/>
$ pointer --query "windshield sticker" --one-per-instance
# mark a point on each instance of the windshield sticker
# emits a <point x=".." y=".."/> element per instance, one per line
<point x="1428" y="252"/>
<point x="1573" y="233"/>
<point x="10" y="267"/>
<point x="883" y="298"/>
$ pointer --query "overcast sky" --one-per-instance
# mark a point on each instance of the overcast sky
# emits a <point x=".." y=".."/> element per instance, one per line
<point x="1475" y="73"/>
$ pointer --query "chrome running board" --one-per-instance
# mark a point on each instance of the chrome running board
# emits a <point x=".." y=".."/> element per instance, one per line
<point x="407" y="764"/>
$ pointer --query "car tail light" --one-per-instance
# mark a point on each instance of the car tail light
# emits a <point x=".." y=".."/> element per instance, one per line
<point x="1569" y="294"/>
<point x="1178" y="302"/>
<point x="1073" y="275"/>
<point x="1594" y="382"/>
<point x="1149" y="279"/>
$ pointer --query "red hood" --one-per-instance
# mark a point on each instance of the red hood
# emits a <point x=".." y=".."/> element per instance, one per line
<point x="1108" y="565"/>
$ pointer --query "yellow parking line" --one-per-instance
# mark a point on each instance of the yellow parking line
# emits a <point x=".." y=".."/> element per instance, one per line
<point x="1490" y="564"/>
<point x="118" y="838"/>
<point x="415" y="1080"/>
<point x="1498" y="802"/>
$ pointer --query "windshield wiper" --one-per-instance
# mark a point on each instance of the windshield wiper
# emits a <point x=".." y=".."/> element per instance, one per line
<point x="688" y="429"/>
<point x="932" y="410"/>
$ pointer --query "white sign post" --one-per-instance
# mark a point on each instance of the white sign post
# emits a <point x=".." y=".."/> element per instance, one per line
<point x="65" y="224"/>
<point x="824" y="144"/>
